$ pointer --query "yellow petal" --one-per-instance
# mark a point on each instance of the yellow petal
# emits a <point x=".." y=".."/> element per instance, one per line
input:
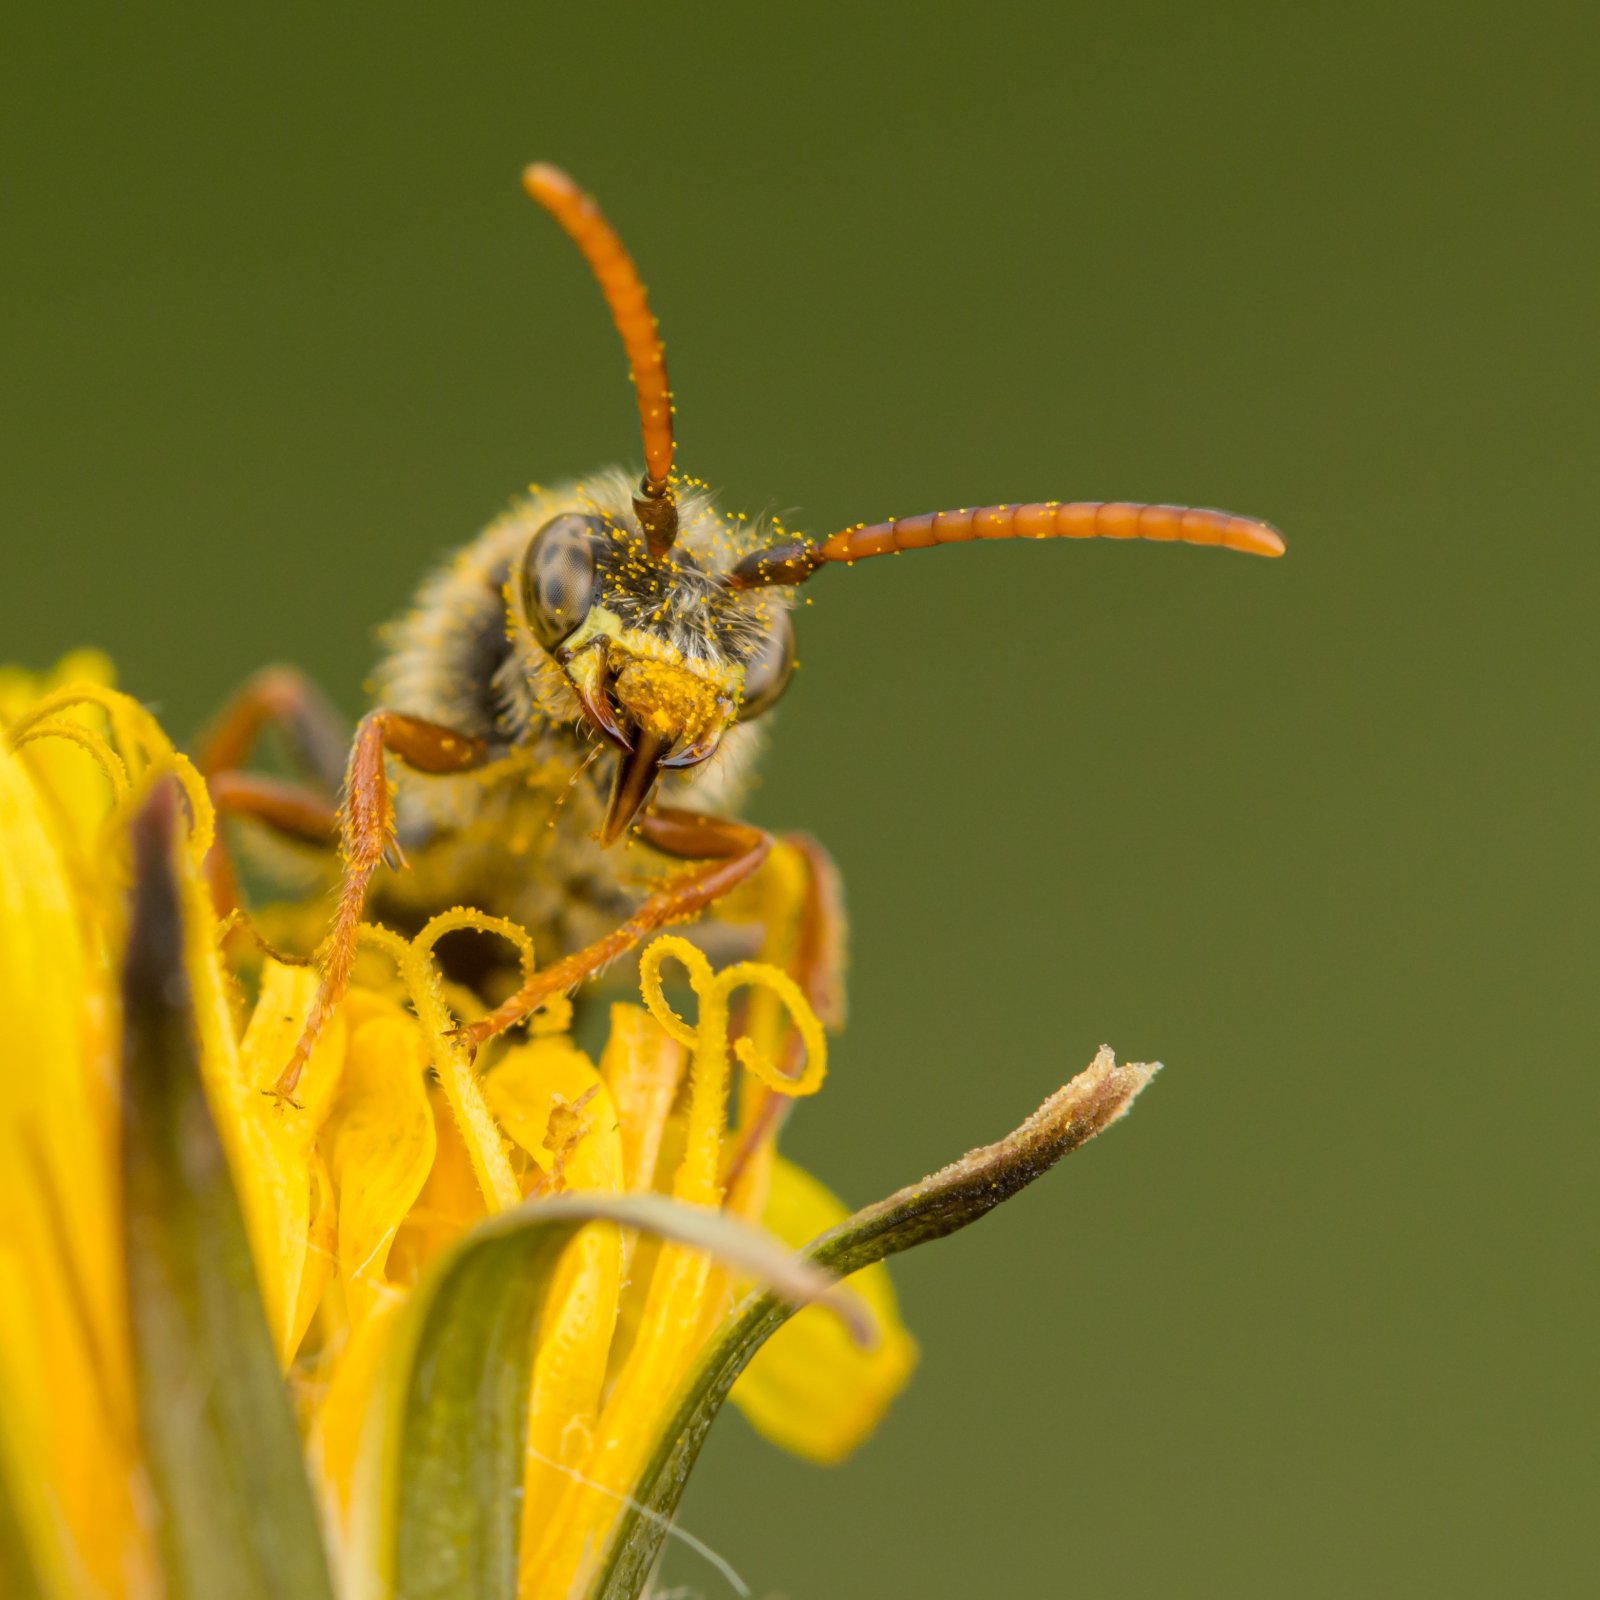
<point x="322" y="1236"/>
<point x="528" y="1091"/>
<point x="66" y="1416"/>
<point x="686" y="1292"/>
<point x="810" y="1389"/>
<point x="334" y="1443"/>
<point x="74" y="788"/>
<point x="560" y="1563"/>
<point x="19" y="688"/>
<point x="575" y="1434"/>
<point x="551" y="1101"/>
<point x="642" y="1065"/>
<point x="380" y="1146"/>
<point x="450" y="1202"/>
<point x="271" y="1141"/>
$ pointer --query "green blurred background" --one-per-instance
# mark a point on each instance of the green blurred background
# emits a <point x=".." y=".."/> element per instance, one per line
<point x="280" y="328"/>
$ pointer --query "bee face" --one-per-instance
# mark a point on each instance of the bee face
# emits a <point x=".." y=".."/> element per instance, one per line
<point x="661" y="655"/>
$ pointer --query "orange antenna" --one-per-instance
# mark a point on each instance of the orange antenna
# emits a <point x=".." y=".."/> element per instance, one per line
<point x="618" y="278"/>
<point x="795" y="561"/>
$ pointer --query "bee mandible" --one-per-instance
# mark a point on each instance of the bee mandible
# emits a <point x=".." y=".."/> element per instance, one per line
<point x="594" y="664"/>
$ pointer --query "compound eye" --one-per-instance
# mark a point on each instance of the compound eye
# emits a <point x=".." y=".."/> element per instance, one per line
<point x="767" y="672"/>
<point x="558" y="576"/>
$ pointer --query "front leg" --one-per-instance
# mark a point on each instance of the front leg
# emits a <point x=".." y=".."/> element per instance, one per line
<point x="366" y="823"/>
<point x="730" y="852"/>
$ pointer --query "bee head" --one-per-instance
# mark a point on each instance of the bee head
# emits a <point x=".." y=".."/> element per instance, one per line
<point x="661" y="656"/>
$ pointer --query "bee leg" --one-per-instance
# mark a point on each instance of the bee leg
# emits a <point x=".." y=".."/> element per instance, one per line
<point x="819" y="957"/>
<point x="316" y="739"/>
<point x="290" y="809"/>
<point x="366" y="822"/>
<point x="728" y="851"/>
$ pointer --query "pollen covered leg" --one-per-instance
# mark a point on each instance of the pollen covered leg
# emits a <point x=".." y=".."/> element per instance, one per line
<point x="730" y="853"/>
<point x="366" y="821"/>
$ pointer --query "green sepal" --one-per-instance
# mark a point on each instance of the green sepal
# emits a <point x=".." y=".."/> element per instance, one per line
<point x="941" y="1204"/>
<point x="438" y="1500"/>
<point x="235" y="1510"/>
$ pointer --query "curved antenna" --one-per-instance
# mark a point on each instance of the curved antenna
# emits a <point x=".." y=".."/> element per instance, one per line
<point x="618" y="278"/>
<point x="795" y="561"/>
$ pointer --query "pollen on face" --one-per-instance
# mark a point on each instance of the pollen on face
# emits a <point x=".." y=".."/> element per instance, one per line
<point x="666" y="697"/>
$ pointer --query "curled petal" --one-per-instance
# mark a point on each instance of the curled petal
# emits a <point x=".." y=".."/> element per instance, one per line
<point x="650" y="984"/>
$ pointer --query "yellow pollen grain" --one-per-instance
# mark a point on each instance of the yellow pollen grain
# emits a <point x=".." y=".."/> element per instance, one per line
<point x="666" y="697"/>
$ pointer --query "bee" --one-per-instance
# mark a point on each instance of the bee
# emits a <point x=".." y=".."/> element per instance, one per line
<point x="594" y="665"/>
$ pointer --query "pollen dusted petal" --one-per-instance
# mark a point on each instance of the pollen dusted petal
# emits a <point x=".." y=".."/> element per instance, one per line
<point x="687" y="1294"/>
<point x="454" y="1067"/>
<point x="322" y="1243"/>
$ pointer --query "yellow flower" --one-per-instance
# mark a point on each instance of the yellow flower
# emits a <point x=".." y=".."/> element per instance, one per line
<point x="374" y="1211"/>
